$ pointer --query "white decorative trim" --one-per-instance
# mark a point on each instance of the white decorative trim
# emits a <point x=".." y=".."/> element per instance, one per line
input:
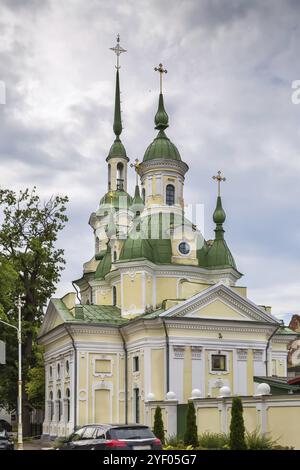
<point x="242" y="354"/>
<point x="178" y="352"/>
<point x="196" y="352"/>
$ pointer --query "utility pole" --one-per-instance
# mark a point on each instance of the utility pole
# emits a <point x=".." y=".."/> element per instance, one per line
<point x="20" y="424"/>
<point x="19" y="337"/>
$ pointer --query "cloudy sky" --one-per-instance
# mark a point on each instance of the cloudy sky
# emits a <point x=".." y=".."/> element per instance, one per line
<point x="228" y="92"/>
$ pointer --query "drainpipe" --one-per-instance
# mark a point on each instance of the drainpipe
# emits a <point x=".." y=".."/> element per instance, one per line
<point x="75" y="375"/>
<point x="167" y="356"/>
<point x="267" y="348"/>
<point x="126" y="375"/>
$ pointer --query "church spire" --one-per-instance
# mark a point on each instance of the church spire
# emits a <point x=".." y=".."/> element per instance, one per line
<point x="117" y="149"/>
<point x="219" y="255"/>
<point x="161" y="118"/>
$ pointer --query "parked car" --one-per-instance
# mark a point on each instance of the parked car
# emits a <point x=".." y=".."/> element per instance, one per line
<point x="112" y="437"/>
<point x="5" y="442"/>
<point x="5" y="425"/>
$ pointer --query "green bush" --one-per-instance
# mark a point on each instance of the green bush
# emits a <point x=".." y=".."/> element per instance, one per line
<point x="257" y="441"/>
<point x="191" y="434"/>
<point x="174" y="441"/>
<point x="213" y="440"/>
<point x="237" y="427"/>
<point x="158" y="428"/>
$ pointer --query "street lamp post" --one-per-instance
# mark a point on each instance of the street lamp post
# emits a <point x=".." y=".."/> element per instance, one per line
<point x="19" y="336"/>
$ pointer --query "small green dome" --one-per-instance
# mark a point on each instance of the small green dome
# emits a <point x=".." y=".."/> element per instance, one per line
<point x="219" y="216"/>
<point x="161" y="148"/>
<point x="117" y="150"/>
<point x="116" y="199"/>
<point x="161" y="118"/>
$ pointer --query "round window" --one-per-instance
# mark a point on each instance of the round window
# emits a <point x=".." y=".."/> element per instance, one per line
<point x="184" y="248"/>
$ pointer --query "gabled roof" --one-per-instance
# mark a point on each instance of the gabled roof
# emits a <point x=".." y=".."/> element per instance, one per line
<point x="247" y="310"/>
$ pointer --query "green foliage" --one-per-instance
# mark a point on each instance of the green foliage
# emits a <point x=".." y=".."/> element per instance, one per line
<point x="191" y="434"/>
<point x="158" y="428"/>
<point x="257" y="441"/>
<point x="32" y="266"/>
<point x="35" y="385"/>
<point x="213" y="440"/>
<point x="237" y="428"/>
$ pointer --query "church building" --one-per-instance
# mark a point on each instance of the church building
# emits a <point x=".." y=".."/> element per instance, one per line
<point x="157" y="313"/>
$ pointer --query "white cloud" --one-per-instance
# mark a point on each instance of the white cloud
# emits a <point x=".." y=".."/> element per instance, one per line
<point x="227" y="92"/>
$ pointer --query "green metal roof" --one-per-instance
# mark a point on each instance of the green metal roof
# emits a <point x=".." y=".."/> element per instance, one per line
<point x="137" y="202"/>
<point x="116" y="199"/>
<point x="219" y="255"/>
<point x="89" y="313"/>
<point x="99" y="314"/>
<point x="161" y="148"/>
<point x="117" y="150"/>
<point x="104" y="266"/>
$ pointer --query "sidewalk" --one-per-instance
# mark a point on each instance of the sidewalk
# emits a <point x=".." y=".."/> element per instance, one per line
<point x="37" y="444"/>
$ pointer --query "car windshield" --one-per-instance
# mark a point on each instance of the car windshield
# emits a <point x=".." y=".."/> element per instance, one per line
<point x="130" y="433"/>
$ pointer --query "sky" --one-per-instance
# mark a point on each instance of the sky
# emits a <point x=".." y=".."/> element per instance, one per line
<point x="228" y="92"/>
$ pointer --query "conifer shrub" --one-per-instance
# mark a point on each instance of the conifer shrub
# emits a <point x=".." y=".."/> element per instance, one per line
<point x="191" y="434"/>
<point x="158" y="428"/>
<point x="237" y="427"/>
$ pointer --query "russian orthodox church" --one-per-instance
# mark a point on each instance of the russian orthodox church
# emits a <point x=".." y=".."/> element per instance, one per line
<point x="157" y="313"/>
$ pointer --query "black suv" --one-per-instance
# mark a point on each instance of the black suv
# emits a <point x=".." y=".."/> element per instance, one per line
<point x="112" y="437"/>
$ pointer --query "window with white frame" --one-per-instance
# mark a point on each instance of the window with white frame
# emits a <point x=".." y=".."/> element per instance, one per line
<point x="218" y="362"/>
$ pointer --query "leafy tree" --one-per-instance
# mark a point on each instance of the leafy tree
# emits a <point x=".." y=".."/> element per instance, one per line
<point x="237" y="427"/>
<point x="28" y="237"/>
<point x="191" y="433"/>
<point x="159" y="425"/>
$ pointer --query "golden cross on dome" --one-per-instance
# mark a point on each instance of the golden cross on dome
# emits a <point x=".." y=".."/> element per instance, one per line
<point x="161" y="70"/>
<point x="136" y="165"/>
<point x="219" y="179"/>
<point x="118" y="50"/>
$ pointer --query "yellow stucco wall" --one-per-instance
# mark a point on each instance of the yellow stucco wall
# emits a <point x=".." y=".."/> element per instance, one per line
<point x="208" y="420"/>
<point x="166" y="288"/>
<point x="283" y="422"/>
<point x="217" y="309"/>
<point x="158" y="373"/>
<point x="132" y="291"/>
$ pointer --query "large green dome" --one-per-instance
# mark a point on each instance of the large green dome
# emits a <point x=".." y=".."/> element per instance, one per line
<point x="116" y="199"/>
<point x="161" y="148"/>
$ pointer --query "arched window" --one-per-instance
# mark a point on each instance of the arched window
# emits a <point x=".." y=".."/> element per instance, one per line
<point x="68" y="404"/>
<point x="115" y="256"/>
<point x="170" y="195"/>
<point x="109" y="177"/>
<point x="120" y="176"/>
<point x="50" y="372"/>
<point x="67" y="366"/>
<point x="143" y="195"/>
<point x="114" y="295"/>
<point x="59" y="405"/>
<point x="58" y="370"/>
<point x="51" y="406"/>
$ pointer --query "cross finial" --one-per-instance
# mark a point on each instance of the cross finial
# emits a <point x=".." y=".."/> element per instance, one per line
<point x="136" y="165"/>
<point x="118" y="50"/>
<point x="219" y="179"/>
<point x="161" y="70"/>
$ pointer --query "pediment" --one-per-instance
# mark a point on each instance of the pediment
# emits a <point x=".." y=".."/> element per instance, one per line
<point x="220" y="302"/>
<point x="52" y="319"/>
<point x="218" y="310"/>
